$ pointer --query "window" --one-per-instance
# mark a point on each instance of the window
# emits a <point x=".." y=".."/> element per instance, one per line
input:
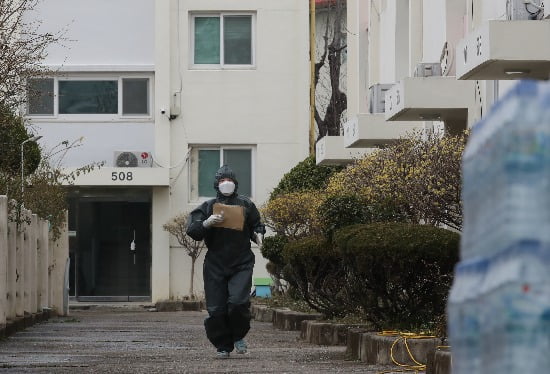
<point x="206" y="161"/>
<point x="88" y="97"/>
<point x="223" y="40"/>
<point x="135" y="96"/>
<point x="116" y="96"/>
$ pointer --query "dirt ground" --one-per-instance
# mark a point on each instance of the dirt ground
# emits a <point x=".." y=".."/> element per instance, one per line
<point x="135" y="340"/>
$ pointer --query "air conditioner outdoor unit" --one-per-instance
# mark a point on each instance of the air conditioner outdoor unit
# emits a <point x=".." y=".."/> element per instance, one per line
<point x="428" y="69"/>
<point x="517" y="10"/>
<point x="377" y="97"/>
<point x="133" y="159"/>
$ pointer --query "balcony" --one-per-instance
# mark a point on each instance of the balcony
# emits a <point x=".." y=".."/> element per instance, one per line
<point x="330" y="150"/>
<point x="501" y="50"/>
<point x="372" y="130"/>
<point x="127" y="177"/>
<point x="430" y="99"/>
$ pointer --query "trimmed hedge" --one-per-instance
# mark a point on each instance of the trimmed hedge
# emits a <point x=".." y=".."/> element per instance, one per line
<point x="396" y="275"/>
<point x="272" y="248"/>
<point x="402" y="271"/>
<point x="340" y="211"/>
<point x="315" y="270"/>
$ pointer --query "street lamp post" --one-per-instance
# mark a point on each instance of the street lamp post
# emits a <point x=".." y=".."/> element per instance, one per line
<point x="32" y="139"/>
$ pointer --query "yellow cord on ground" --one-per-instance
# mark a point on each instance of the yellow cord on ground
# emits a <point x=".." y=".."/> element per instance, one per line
<point x="404" y="336"/>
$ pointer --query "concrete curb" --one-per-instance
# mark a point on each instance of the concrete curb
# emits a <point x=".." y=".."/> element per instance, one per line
<point x="377" y="349"/>
<point x="326" y="333"/>
<point x="353" y="343"/>
<point x="288" y="320"/>
<point x="261" y="313"/>
<point x="361" y="344"/>
<point x="439" y="361"/>
<point x="21" y="323"/>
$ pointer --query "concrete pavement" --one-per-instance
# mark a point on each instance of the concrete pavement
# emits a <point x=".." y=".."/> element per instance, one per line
<point x="131" y="339"/>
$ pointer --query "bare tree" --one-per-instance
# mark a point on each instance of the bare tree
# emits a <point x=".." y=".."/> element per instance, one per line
<point x="329" y="110"/>
<point x="23" y="48"/>
<point x="177" y="227"/>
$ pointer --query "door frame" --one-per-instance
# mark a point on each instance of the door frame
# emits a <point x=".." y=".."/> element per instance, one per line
<point x="122" y="194"/>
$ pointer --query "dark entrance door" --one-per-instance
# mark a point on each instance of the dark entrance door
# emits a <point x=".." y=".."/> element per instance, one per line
<point x="113" y="254"/>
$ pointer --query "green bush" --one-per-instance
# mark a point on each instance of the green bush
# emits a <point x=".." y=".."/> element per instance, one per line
<point x="12" y="134"/>
<point x="339" y="211"/>
<point x="306" y="175"/>
<point x="402" y="272"/>
<point x="387" y="211"/>
<point x="272" y="249"/>
<point x="342" y="210"/>
<point x="315" y="270"/>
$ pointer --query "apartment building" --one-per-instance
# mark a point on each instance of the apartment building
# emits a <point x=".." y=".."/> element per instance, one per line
<point x="163" y="93"/>
<point x="432" y="64"/>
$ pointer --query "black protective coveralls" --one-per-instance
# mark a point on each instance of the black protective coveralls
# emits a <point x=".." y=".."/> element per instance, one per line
<point x="228" y="266"/>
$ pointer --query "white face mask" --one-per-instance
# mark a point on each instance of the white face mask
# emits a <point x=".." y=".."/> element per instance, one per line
<point x="227" y="188"/>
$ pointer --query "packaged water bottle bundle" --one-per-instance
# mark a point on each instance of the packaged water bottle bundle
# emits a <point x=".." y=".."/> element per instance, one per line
<point x="499" y="305"/>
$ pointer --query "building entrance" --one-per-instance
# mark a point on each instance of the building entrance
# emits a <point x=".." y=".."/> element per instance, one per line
<point x="110" y="249"/>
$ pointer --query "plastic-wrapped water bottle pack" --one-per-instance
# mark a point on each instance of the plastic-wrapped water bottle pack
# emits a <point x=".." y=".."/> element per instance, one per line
<point x="499" y="305"/>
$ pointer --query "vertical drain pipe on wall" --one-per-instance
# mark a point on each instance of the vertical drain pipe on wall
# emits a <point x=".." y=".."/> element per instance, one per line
<point x="312" y="77"/>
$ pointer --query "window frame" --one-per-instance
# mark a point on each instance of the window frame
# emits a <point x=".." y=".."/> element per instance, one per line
<point x="193" y="176"/>
<point x="86" y="117"/>
<point x="222" y="65"/>
<point x="53" y="100"/>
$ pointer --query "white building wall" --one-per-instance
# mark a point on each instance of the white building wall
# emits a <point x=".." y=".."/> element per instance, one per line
<point x="100" y="39"/>
<point x="373" y="43"/>
<point x="388" y="39"/>
<point x="356" y="63"/>
<point x="443" y="22"/>
<point x="161" y="285"/>
<point x="434" y="29"/>
<point x="388" y="28"/>
<point x="266" y="107"/>
<point x="416" y="32"/>
<point x="99" y="32"/>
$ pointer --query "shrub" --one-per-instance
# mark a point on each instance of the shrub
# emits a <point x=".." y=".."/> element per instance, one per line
<point x="341" y="210"/>
<point x="402" y="272"/>
<point x="12" y="134"/>
<point x="293" y="215"/>
<point x="417" y="179"/>
<point x="272" y="248"/>
<point x="435" y="190"/>
<point x="305" y="176"/>
<point x="315" y="270"/>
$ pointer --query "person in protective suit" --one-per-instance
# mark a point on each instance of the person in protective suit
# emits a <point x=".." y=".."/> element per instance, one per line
<point x="228" y="264"/>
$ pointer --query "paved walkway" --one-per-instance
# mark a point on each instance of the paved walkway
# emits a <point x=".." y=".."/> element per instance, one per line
<point x="135" y="340"/>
